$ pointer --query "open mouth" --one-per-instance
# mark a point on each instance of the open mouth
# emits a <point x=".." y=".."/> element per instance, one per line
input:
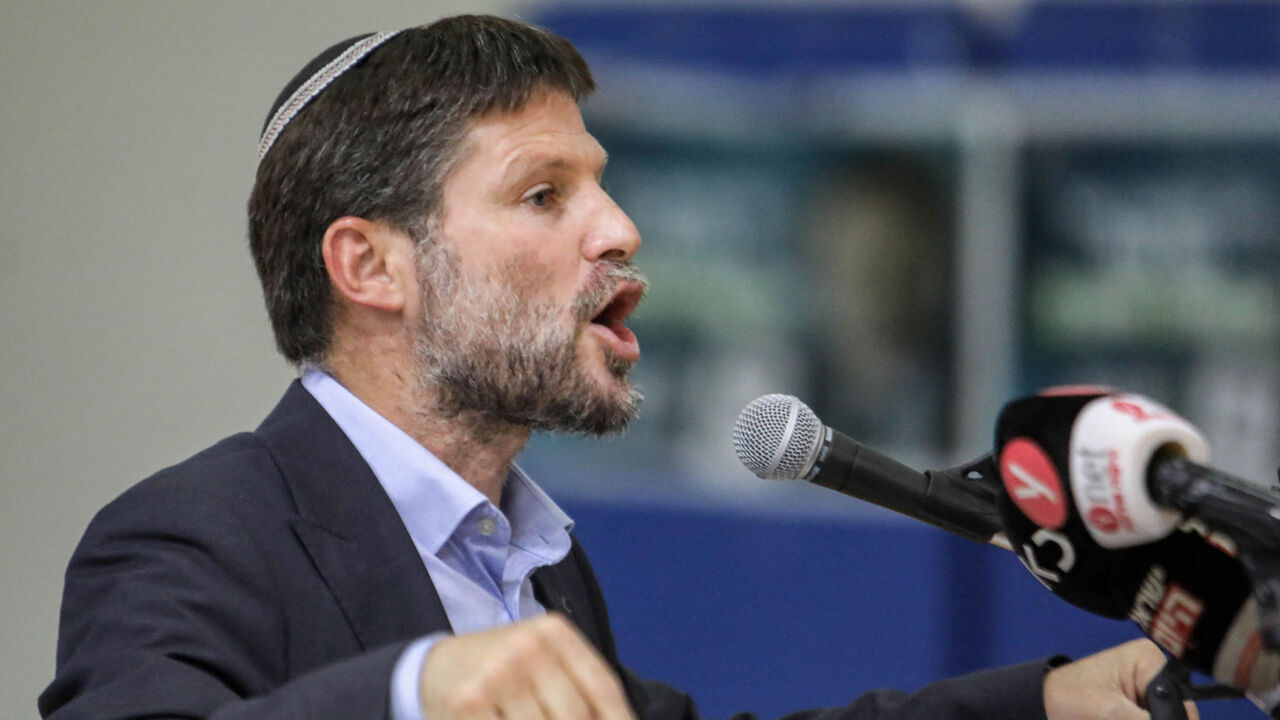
<point x="609" y="320"/>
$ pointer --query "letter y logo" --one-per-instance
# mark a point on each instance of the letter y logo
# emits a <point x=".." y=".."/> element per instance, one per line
<point x="1032" y="482"/>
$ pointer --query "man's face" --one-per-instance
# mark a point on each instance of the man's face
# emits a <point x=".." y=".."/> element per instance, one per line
<point x="527" y="280"/>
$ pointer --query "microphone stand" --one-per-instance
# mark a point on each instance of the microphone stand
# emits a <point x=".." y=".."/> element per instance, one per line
<point x="1250" y="516"/>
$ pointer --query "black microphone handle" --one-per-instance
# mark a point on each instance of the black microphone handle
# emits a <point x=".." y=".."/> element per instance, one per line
<point x="962" y="500"/>
<point x="1245" y="512"/>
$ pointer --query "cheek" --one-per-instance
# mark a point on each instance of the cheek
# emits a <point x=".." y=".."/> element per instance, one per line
<point x="537" y="277"/>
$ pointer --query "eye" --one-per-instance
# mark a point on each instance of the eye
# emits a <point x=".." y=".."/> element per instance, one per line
<point x="542" y="197"/>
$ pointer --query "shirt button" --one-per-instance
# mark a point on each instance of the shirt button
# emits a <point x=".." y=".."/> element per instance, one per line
<point x="486" y="526"/>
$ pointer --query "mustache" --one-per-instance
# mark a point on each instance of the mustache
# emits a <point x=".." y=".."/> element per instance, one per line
<point x="605" y="279"/>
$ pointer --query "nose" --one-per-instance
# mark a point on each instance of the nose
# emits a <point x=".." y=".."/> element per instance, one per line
<point x="612" y="235"/>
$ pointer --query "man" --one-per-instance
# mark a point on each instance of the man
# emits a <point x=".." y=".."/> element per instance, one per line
<point x="438" y="256"/>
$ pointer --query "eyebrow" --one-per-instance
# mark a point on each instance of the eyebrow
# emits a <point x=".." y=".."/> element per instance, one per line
<point x="522" y="167"/>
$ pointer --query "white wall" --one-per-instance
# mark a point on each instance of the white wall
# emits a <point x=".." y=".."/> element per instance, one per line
<point x="131" y="326"/>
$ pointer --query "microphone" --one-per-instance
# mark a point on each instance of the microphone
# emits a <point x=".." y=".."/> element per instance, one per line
<point x="1091" y="503"/>
<point x="777" y="437"/>
<point x="1095" y="486"/>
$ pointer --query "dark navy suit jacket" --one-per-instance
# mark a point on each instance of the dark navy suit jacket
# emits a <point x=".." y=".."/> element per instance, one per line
<point x="270" y="577"/>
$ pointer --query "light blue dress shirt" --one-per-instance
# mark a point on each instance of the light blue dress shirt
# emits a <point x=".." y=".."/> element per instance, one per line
<point x="480" y="557"/>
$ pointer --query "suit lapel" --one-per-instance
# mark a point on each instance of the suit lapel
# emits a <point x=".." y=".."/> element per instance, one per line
<point x="349" y="526"/>
<point x="560" y="589"/>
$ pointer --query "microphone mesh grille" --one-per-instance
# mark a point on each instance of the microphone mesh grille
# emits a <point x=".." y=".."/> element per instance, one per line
<point x="775" y="437"/>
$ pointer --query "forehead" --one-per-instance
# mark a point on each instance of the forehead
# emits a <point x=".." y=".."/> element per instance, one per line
<point x="547" y="130"/>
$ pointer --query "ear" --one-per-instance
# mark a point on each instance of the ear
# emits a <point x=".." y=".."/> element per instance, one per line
<point x="369" y="263"/>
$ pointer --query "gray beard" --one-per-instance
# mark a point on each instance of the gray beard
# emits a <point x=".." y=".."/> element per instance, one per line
<point x="493" y="352"/>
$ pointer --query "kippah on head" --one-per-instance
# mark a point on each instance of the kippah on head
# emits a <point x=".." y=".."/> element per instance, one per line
<point x="312" y="79"/>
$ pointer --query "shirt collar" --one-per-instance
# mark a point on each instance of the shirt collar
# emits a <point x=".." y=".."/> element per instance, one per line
<point x="536" y="520"/>
<point x="430" y="497"/>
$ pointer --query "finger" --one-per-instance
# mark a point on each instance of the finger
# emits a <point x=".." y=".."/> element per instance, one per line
<point x="521" y="705"/>
<point x="558" y="695"/>
<point x="597" y="684"/>
<point x="1146" y="660"/>
<point x="1149" y="661"/>
<point x="1115" y="706"/>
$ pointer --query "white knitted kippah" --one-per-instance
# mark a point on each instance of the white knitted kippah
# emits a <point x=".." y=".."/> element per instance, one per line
<point x="310" y="83"/>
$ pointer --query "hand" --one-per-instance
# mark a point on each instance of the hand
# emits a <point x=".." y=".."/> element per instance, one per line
<point x="1106" y="686"/>
<point x="541" y="669"/>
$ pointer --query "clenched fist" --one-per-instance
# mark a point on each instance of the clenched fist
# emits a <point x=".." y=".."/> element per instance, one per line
<point x="541" y="669"/>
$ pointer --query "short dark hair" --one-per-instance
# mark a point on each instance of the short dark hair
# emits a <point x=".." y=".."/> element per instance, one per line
<point x="378" y="143"/>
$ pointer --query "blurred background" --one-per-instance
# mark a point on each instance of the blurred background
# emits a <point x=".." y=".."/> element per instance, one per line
<point x="903" y="213"/>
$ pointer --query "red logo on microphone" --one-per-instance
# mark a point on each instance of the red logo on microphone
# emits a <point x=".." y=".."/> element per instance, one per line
<point x="1176" y="619"/>
<point x="1136" y="411"/>
<point x="1032" y="482"/>
<point x="1103" y="519"/>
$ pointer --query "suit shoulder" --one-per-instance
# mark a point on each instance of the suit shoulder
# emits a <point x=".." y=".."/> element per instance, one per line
<point x="237" y="474"/>
<point x="224" y="462"/>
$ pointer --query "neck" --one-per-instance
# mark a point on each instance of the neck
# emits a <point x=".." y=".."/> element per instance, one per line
<point x="479" y="449"/>
<point x="475" y="446"/>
